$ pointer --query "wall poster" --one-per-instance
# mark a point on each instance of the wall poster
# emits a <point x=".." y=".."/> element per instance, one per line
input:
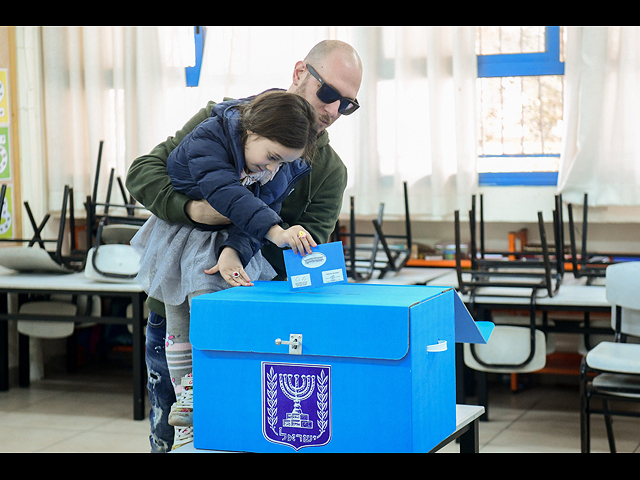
<point x="6" y="208"/>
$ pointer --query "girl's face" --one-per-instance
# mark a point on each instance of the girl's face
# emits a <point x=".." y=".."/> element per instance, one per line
<point x="262" y="154"/>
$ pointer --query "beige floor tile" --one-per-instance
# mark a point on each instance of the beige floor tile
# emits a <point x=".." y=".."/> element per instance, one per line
<point x="16" y="439"/>
<point x="102" y="442"/>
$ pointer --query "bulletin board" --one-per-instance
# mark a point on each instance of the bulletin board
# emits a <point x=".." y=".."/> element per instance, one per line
<point x="10" y="211"/>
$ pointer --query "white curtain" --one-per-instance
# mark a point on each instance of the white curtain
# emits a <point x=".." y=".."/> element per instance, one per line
<point x="601" y="153"/>
<point x="122" y="85"/>
<point x="243" y="61"/>
<point x="417" y="121"/>
<point x="125" y="85"/>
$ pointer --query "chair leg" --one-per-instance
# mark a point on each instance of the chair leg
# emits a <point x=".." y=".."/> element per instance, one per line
<point x="608" y="422"/>
<point x="585" y="434"/>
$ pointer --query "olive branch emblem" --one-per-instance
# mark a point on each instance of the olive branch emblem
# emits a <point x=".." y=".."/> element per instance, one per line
<point x="322" y="400"/>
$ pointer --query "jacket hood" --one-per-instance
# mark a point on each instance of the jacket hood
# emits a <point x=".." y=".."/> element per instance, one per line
<point x="228" y="116"/>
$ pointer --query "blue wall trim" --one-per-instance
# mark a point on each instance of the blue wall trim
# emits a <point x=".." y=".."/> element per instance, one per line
<point x="518" y="179"/>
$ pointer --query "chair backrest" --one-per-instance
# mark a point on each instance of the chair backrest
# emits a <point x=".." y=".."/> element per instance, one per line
<point x="112" y="263"/>
<point x="623" y="290"/>
<point x="508" y="351"/>
<point x="43" y="328"/>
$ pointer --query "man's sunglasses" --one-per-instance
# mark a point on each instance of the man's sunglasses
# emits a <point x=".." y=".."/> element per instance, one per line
<point x="327" y="94"/>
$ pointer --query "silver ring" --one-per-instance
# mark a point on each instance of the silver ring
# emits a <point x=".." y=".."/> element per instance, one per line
<point x="235" y="274"/>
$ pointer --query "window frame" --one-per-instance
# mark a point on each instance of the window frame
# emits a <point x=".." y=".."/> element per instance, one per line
<point x="521" y="65"/>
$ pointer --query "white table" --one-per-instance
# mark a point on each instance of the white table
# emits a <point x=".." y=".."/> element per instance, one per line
<point x="467" y="429"/>
<point x="411" y="276"/>
<point x="75" y="284"/>
<point x="574" y="295"/>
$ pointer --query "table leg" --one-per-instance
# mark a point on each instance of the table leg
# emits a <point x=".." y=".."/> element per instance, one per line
<point x="4" y="344"/>
<point x="4" y="356"/>
<point x="470" y="440"/>
<point x="24" y="364"/>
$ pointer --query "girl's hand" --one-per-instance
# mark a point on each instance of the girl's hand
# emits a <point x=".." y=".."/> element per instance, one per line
<point x="230" y="268"/>
<point x="297" y="237"/>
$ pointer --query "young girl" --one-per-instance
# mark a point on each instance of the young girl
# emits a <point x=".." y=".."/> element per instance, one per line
<point x="244" y="160"/>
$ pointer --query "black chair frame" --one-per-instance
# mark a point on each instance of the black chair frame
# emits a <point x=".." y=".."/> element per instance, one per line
<point x="74" y="260"/>
<point x="591" y="265"/>
<point x="588" y="392"/>
<point x="395" y="258"/>
<point x="510" y="272"/>
<point x="96" y="220"/>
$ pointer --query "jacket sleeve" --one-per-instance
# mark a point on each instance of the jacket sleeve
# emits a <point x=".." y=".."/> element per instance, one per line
<point x="147" y="179"/>
<point x="245" y="245"/>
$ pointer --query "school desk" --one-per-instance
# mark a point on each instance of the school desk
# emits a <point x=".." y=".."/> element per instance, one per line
<point x="75" y="284"/>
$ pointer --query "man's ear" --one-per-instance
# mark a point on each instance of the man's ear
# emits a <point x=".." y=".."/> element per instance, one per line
<point x="298" y="72"/>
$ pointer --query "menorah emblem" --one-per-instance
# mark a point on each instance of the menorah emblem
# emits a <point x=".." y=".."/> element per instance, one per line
<point x="297" y="392"/>
<point x="296" y="404"/>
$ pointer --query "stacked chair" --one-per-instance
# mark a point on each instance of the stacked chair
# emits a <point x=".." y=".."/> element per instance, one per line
<point x="34" y="255"/>
<point x="589" y="264"/>
<point x="512" y="348"/>
<point x="110" y="257"/>
<point x="380" y="256"/>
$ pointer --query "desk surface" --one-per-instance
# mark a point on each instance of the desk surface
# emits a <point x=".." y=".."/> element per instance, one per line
<point x="572" y="293"/>
<point x="11" y="280"/>
<point x="466" y="414"/>
<point x="411" y="276"/>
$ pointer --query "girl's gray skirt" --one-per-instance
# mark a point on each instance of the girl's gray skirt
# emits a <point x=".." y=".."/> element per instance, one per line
<point x="173" y="258"/>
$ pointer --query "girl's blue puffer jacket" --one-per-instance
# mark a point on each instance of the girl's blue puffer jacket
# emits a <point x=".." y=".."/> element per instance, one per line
<point x="207" y="165"/>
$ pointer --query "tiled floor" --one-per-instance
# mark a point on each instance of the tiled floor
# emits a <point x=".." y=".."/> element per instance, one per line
<point x="91" y="411"/>
<point x="545" y="418"/>
<point x="88" y="411"/>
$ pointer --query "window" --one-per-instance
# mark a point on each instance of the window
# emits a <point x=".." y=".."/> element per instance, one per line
<point x="520" y="93"/>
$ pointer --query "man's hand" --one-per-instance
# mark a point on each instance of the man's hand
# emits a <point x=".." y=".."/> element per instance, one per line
<point x="201" y="211"/>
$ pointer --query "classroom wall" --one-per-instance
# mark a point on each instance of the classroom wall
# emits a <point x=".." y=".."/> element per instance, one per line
<point x="504" y="205"/>
<point x="9" y="145"/>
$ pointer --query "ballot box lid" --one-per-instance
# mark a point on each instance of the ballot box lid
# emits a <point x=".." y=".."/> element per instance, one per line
<point x="347" y="320"/>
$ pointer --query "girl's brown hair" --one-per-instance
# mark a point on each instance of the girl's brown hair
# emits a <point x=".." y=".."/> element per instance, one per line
<point x="281" y="117"/>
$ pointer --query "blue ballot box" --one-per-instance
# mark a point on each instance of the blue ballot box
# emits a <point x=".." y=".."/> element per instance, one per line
<point x="343" y="368"/>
